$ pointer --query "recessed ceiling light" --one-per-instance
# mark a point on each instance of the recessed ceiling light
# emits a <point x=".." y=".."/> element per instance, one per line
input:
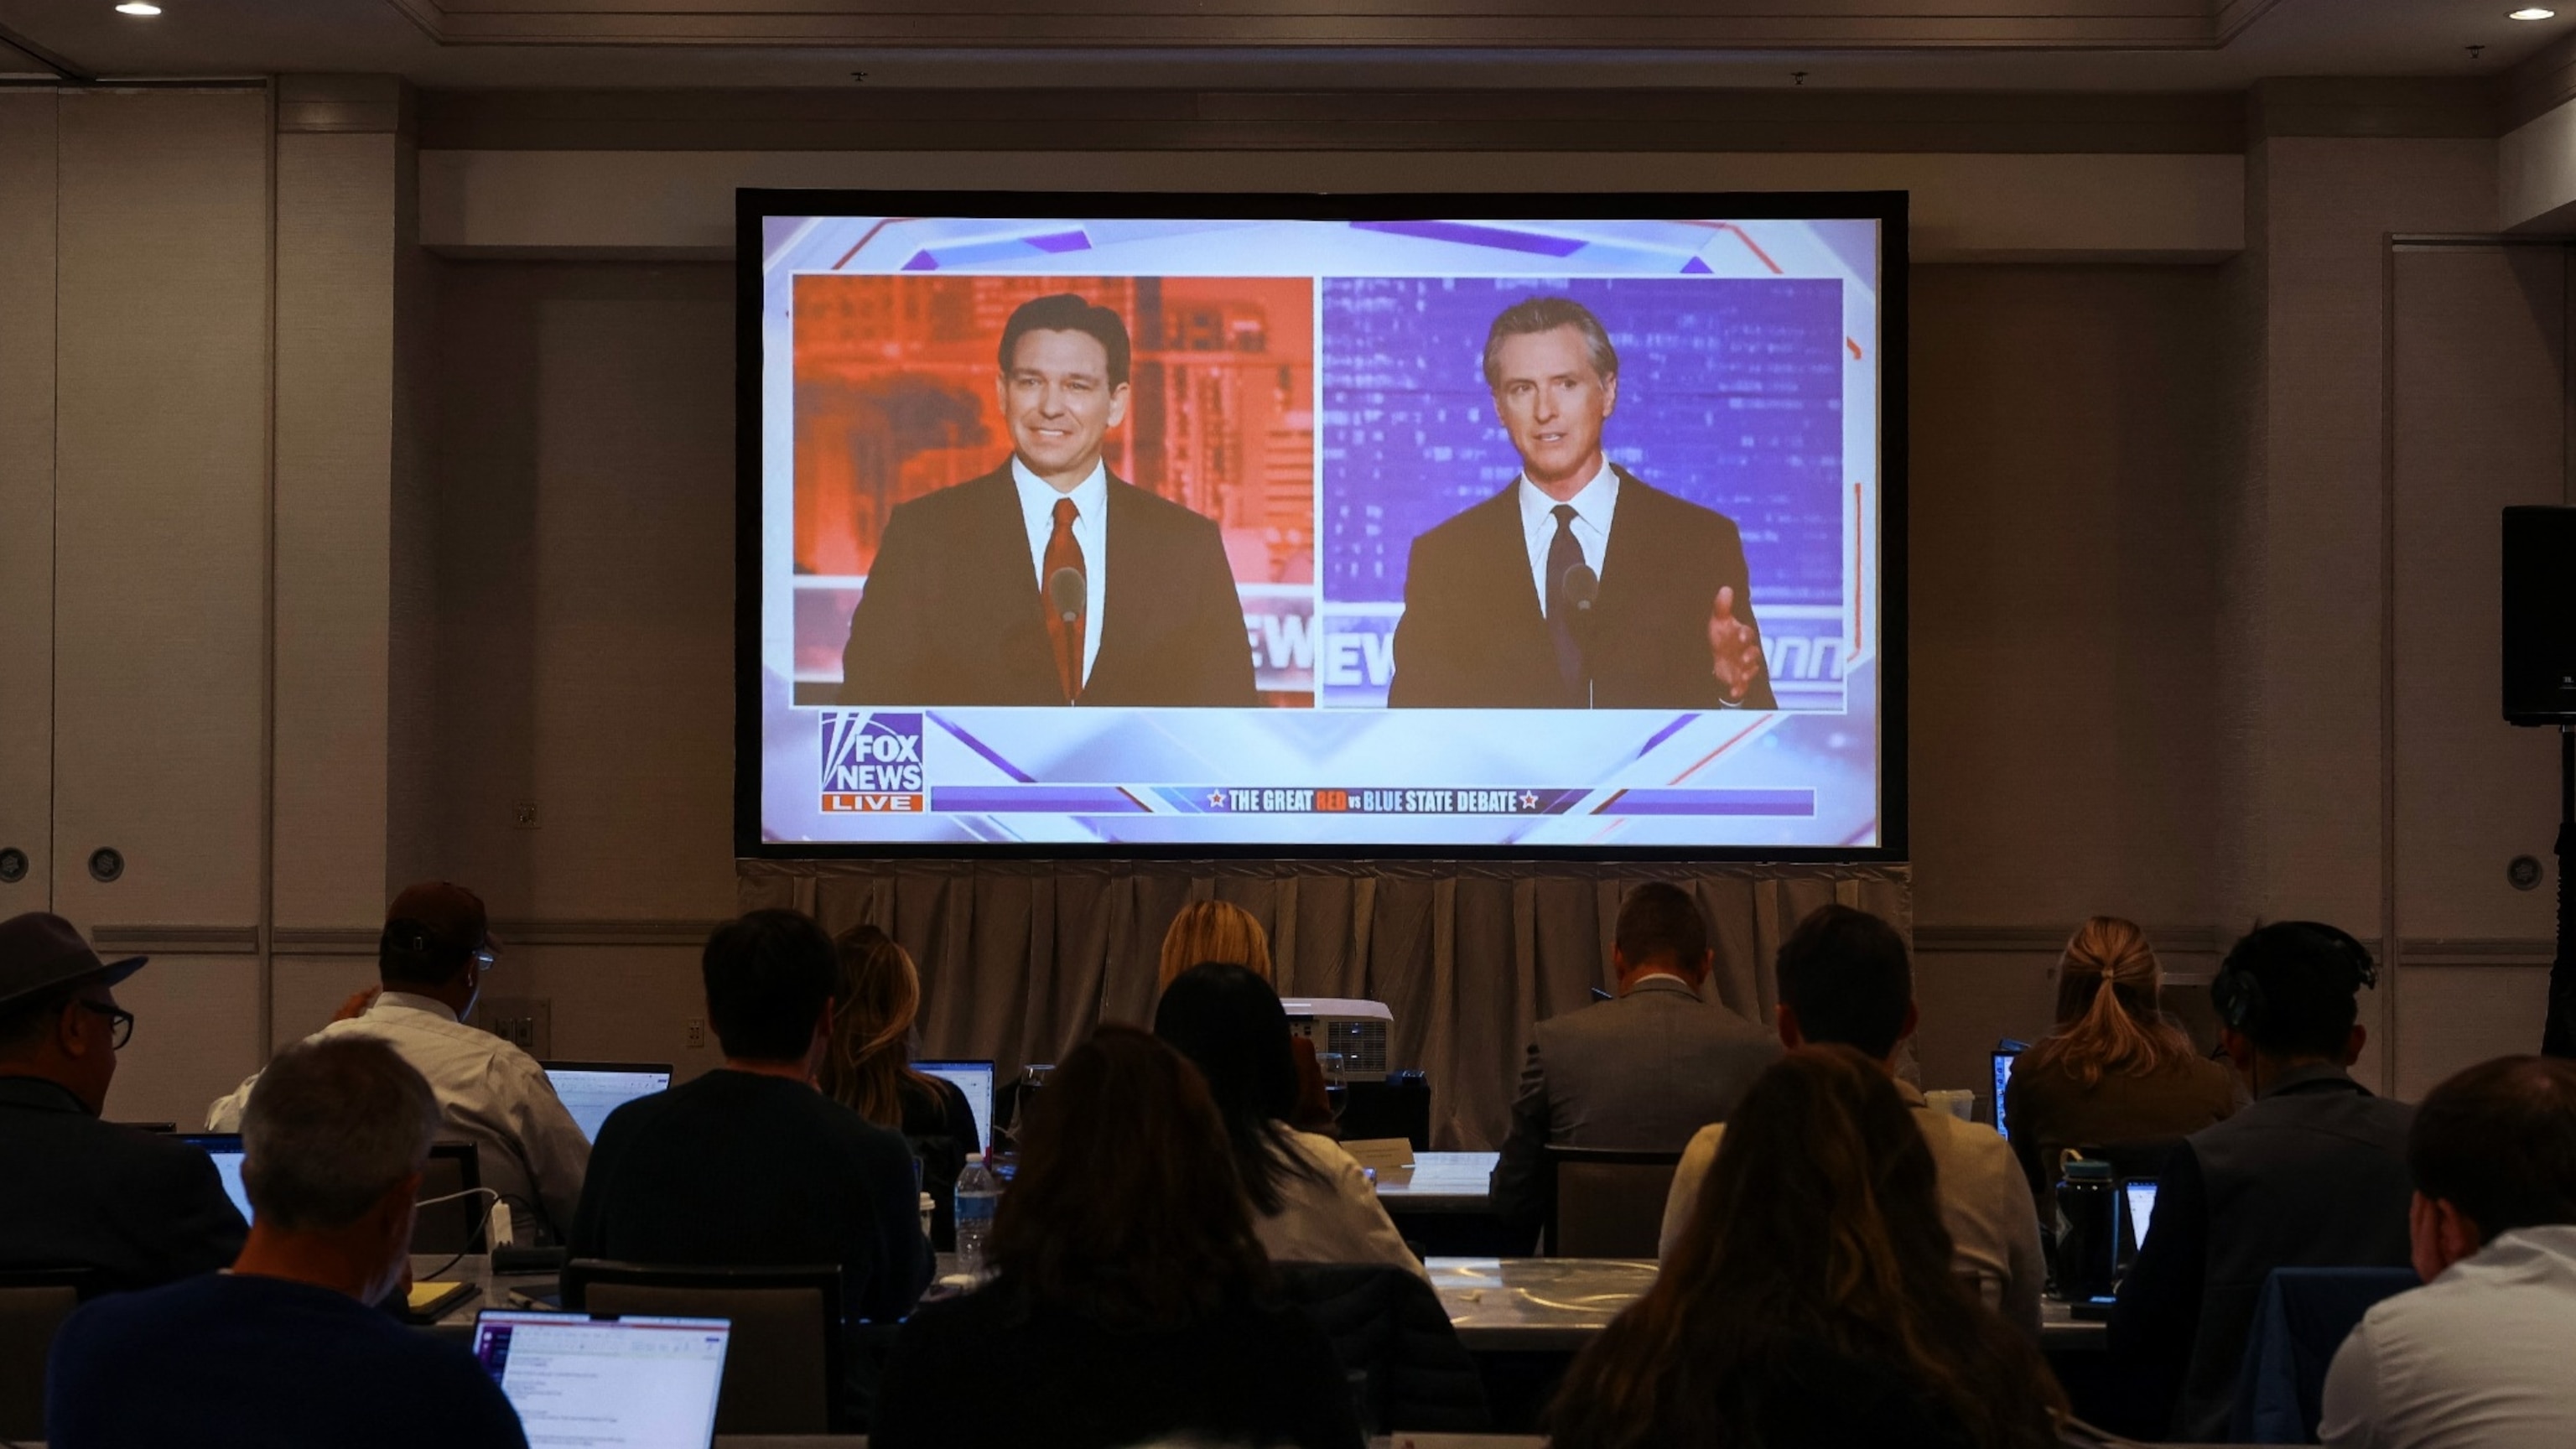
<point x="138" y="7"/>
<point x="2528" y="12"/>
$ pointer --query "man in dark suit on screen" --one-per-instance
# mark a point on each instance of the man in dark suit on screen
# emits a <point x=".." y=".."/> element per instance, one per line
<point x="1047" y="581"/>
<point x="1578" y="586"/>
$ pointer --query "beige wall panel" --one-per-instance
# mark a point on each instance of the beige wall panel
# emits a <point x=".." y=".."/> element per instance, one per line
<point x="616" y="1003"/>
<point x="2481" y="423"/>
<point x="335" y="383"/>
<point x="2451" y="1017"/>
<point x="586" y="589"/>
<point x="2311" y="729"/>
<point x="27" y="182"/>
<point x="305" y="990"/>
<point x="2063" y="593"/>
<point x="161" y="495"/>
<point x="1964" y="206"/>
<point x="196" y="1035"/>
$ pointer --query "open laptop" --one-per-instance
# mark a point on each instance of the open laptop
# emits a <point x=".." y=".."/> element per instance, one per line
<point x="226" y="1150"/>
<point x="592" y="1090"/>
<point x="2137" y="1210"/>
<point x="975" y="1079"/>
<point x="2005" y="1052"/>
<point x="605" y="1381"/>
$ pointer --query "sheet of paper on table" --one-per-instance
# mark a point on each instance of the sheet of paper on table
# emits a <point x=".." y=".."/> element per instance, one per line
<point x="1386" y="1154"/>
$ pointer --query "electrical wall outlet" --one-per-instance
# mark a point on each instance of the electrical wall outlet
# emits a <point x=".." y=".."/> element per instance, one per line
<point x="697" y="1033"/>
<point x="526" y="1022"/>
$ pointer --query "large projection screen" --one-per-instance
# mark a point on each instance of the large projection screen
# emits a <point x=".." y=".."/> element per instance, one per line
<point x="1192" y="525"/>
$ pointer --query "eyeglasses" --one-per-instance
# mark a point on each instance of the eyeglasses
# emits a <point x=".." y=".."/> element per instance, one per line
<point x="120" y="1021"/>
<point x="487" y="958"/>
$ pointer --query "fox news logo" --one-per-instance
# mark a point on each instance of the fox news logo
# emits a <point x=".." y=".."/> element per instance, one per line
<point x="872" y="764"/>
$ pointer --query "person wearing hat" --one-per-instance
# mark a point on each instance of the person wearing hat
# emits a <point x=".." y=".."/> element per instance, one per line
<point x="136" y="1208"/>
<point x="436" y="949"/>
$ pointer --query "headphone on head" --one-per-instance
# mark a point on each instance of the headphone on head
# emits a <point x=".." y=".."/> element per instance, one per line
<point x="412" y="952"/>
<point x="2238" y="993"/>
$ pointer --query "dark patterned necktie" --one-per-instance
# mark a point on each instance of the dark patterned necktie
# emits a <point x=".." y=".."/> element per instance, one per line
<point x="1062" y="552"/>
<point x="1564" y="553"/>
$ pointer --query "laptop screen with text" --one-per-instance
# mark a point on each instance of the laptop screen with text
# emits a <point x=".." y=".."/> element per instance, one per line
<point x="606" y="1382"/>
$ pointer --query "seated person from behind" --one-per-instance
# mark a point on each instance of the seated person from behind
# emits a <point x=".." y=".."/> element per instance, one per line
<point x="1643" y="1070"/>
<point x="751" y="1164"/>
<point x="436" y="950"/>
<point x="2478" y="1356"/>
<point x="1223" y="931"/>
<point x="1310" y="1202"/>
<point x="1130" y="1302"/>
<point x="76" y="1192"/>
<point x="287" y="1350"/>
<point x="2115" y="1070"/>
<point x="1845" y="979"/>
<point x="2310" y="1174"/>
<point x="869" y="1069"/>
<point x="1808" y="1299"/>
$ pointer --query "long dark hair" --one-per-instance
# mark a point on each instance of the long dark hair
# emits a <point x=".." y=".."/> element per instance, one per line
<point x="1126" y="1207"/>
<point x="1229" y="1023"/>
<point x="1820" y="1225"/>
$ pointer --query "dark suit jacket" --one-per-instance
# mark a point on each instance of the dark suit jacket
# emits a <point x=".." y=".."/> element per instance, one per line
<point x="953" y="613"/>
<point x="1646" y="1071"/>
<point x="81" y="1193"/>
<point x="2310" y="1175"/>
<point x="1474" y="633"/>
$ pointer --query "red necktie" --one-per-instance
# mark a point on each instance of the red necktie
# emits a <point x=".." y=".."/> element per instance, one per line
<point x="1062" y="552"/>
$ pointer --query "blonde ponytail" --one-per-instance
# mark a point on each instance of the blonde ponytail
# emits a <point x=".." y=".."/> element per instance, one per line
<point x="2107" y="1017"/>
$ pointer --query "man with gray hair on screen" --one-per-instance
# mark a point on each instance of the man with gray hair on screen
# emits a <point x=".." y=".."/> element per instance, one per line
<point x="288" y="1349"/>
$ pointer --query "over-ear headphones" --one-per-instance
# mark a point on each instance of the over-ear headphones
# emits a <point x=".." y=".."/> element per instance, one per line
<point x="2237" y="992"/>
<point x="413" y="953"/>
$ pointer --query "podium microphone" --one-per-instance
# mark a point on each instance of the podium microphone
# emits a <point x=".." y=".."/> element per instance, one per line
<point x="1581" y="586"/>
<point x="1068" y="594"/>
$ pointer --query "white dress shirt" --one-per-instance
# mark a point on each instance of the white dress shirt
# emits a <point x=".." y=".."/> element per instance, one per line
<point x="2477" y="1357"/>
<point x="1985" y="1203"/>
<point x="1090" y="529"/>
<point x="489" y="1092"/>
<point x="1591" y="526"/>
<point x="1332" y="1217"/>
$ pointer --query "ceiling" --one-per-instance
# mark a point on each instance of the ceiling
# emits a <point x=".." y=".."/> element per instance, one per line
<point x="2056" y="45"/>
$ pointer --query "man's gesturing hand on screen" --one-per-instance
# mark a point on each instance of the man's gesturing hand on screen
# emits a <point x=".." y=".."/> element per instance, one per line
<point x="1736" y="648"/>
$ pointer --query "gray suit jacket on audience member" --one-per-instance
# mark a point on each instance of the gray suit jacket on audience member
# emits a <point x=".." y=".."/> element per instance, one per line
<point x="1645" y="1071"/>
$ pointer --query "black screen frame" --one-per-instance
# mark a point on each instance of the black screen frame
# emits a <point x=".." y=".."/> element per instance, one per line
<point x="1888" y="208"/>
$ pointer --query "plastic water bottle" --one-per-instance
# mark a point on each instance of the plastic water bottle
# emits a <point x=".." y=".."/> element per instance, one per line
<point x="978" y="1193"/>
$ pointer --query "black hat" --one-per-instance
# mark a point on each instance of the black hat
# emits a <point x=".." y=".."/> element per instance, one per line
<point x="39" y="950"/>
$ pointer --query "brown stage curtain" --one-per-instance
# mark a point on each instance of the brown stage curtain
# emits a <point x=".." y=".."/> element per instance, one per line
<point x="1020" y="960"/>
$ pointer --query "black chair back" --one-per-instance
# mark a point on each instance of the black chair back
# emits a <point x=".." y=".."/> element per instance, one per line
<point x="455" y="1225"/>
<point x="783" y="1364"/>
<point x="33" y="1304"/>
<point x="1605" y="1202"/>
<point x="1410" y="1372"/>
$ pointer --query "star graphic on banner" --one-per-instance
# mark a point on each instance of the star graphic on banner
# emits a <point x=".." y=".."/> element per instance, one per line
<point x="1216" y="799"/>
<point x="1529" y="799"/>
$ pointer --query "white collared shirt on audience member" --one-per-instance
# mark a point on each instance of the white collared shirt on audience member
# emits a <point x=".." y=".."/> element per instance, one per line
<point x="2477" y="1357"/>
<point x="490" y="1093"/>
<point x="1332" y="1217"/>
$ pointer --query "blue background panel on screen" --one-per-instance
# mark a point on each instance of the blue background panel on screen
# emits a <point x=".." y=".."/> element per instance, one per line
<point x="1759" y="379"/>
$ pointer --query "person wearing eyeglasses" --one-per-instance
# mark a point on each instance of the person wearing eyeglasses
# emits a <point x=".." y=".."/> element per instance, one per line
<point x="135" y="1208"/>
<point x="436" y="950"/>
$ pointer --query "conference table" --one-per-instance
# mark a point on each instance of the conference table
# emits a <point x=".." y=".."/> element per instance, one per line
<point x="1498" y="1305"/>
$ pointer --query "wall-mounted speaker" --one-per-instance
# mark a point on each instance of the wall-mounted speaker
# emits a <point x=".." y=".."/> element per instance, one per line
<point x="2540" y="615"/>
